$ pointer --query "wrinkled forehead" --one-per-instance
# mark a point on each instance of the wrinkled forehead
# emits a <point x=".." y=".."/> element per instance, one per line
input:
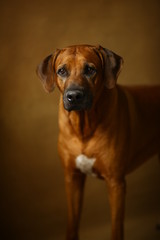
<point x="78" y="55"/>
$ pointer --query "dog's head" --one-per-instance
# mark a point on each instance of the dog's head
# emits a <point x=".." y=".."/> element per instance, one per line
<point x="80" y="72"/>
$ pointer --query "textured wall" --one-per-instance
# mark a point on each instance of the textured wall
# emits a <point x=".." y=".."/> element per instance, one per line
<point x="33" y="198"/>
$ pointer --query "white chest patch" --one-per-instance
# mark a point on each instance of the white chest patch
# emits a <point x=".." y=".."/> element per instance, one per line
<point x="85" y="164"/>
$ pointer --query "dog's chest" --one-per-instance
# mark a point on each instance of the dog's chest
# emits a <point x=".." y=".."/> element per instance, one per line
<point x="85" y="164"/>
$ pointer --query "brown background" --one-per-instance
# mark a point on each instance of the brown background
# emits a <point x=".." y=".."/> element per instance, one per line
<point x="33" y="204"/>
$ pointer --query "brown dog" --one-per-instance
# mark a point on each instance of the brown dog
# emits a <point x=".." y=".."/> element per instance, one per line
<point x="105" y="129"/>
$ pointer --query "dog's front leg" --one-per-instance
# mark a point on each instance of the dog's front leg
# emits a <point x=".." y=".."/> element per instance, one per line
<point x="74" y="188"/>
<point x="117" y="203"/>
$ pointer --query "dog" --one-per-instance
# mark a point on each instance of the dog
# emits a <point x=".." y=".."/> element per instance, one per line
<point x="105" y="130"/>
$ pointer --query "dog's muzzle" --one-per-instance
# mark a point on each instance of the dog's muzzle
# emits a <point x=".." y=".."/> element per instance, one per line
<point x="77" y="99"/>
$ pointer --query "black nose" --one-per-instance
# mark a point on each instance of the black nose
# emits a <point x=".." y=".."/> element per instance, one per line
<point x="75" y="96"/>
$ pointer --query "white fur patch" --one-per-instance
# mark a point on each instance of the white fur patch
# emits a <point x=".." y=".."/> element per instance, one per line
<point x="85" y="164"/>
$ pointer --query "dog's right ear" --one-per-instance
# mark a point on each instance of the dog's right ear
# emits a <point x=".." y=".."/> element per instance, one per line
<point x="45" y="72"/>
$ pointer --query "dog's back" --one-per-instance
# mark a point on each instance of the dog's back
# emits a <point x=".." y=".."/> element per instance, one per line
<point x="144" y="107"/>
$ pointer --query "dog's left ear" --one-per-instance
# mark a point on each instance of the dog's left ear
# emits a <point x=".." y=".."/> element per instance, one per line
<point x="45" y="72"/>
<point x="112" y="66"/>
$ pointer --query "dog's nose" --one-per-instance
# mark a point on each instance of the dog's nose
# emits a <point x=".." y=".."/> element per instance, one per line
<point x="75" y="96"/>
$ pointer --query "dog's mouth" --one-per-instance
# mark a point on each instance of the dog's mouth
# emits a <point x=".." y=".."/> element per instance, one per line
<point x="77" y="99"/>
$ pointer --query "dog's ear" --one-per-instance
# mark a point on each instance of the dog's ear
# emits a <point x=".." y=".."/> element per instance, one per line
<point x="45" y="72"/>
<point x="112" y="64"/>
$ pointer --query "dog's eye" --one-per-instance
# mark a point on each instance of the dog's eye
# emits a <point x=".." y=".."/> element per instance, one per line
<point x="89" y="70"/>
<point x="62" y="72"/>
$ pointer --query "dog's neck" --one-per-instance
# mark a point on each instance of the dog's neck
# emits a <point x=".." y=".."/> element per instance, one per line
<point x="85" y="123"/>
<point x="82" y="123"/>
